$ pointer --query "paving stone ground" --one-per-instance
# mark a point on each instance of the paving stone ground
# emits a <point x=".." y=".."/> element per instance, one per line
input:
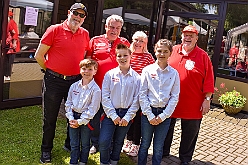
<point x="223" y="140"/>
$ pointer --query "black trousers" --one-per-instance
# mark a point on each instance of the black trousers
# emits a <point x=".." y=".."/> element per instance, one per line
<point x="8" y="64"/>
<point x="134" y="132"/>
<point x="190" y="130"/>
<point x="54" y="91"/>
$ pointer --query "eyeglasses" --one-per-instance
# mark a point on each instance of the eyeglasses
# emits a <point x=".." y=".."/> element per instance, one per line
<point x="74" y="12"/>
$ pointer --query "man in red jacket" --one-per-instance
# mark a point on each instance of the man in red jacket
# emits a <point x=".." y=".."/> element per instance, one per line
<point x="13" y="44"/>
<point x="196" y="87"/>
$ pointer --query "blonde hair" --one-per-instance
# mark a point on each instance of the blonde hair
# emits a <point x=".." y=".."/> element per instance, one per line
<point x="163" y="42"/>
<point x="115" y="18"/>
<point x="88" y="63"/>
<point x="140" y="34"/>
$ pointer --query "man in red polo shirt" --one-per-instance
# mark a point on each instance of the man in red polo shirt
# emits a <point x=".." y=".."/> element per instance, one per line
<point x="102" y="49"/>
<point x="196" y="87"/>
<point x="61" y="49"/>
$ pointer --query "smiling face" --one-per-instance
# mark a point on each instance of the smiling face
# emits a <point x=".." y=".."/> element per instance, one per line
<point x="189" y="40"/>
<point x="75" y="21"/>
<point x="123" y="57"/>
<point x="113" y="29"/>
<point x="162" y="53"/>
<point x="88" y="72"/>
<point x="139" y="44"/>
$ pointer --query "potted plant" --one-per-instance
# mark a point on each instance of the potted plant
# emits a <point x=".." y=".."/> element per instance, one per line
<point x="231" y="101"/>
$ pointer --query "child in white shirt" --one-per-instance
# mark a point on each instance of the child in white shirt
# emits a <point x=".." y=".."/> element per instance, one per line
<point x="81" y="106"/>
<point x="120" y="91"/>
<point x="159" y="92"/>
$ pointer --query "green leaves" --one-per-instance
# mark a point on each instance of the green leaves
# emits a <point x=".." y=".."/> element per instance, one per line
<point x="232" y="98"/>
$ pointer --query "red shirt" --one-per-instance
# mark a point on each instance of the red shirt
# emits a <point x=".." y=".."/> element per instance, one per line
<point x="233" y="53"/>
<point x="196" y="79"/>
<point x="67" y="48"/>
<point x="141" y="60"/>
<point x="13" y="34"/>
<point x="104" y="53"/>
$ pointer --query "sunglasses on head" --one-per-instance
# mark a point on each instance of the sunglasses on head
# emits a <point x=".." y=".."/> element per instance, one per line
<point x="74" y="12"/>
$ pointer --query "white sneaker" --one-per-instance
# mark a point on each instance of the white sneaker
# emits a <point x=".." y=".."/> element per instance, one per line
<point x="127" y="146"/>
<point x="6" y="78"/>
<point x="134" y="150"/>
<point x="93" y="150"/>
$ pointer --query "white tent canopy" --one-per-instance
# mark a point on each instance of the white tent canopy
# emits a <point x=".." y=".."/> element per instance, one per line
<point x="238" y="30"/>
<point x="200" y="29"/>
<point x="129" y="17"/>
<point x="41" y="4"/>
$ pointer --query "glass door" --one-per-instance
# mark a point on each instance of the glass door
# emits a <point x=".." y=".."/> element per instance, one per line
<point x="27" y="21"/>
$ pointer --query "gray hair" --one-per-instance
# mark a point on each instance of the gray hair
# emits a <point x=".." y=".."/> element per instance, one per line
<point x="115" y="18"/>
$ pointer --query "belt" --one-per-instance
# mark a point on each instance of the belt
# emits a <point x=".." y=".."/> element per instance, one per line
<point x="61" y="75"/>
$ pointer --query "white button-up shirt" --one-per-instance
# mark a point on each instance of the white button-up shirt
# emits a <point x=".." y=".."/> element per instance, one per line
<point x="83" y="99"/>
<point x="120" y="91"/>
<point x="159" y="88"/>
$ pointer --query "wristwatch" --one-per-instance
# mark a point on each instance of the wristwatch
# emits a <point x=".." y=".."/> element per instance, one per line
<point x="208" y="98"/>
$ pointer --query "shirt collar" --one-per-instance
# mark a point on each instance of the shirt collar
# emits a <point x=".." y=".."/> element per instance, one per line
<point x="90" y="85"/>
<point x="191" y="54"/>
<point x="130" y="71"/>
<point x="158" y="68"/>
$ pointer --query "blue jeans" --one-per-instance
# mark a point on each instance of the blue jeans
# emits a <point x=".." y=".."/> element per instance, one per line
<point x="77" y="135"/>
<point x="147" y="131"/>
<point x="96" y="125"/>
<point x="111" y="133"/>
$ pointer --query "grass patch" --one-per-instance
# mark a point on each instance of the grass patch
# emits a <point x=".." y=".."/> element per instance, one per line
<point x="21" y="134"/>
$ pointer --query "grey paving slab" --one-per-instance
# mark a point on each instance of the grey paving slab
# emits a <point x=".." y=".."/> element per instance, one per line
<point x="223" y="140"/>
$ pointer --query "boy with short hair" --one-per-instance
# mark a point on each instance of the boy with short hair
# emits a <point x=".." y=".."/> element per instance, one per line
<point x="159" y="92"/>
<point x="81" y="106"/>
<point x="120" y="91"/>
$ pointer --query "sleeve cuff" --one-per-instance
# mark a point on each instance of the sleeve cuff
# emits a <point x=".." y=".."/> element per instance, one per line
<point x="82" y="121"/>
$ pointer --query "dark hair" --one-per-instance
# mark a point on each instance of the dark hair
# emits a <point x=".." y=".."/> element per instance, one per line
<point x="122" y="46"/>
<point x="88" y="63"/>
<point x="164" y="42"/>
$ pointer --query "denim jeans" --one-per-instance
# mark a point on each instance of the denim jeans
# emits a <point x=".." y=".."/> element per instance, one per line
<point x="96" y="125"/>
<point x="147" y="131"/>
<point x="54" y="91"/>
<point x="77" y="136"/>
<point x="111" y="133"/>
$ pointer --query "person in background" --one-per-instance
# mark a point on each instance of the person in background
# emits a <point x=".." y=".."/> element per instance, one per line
<point x="61" y="49"/>
<point x="81" y="105"/>
<point x="196" y="87"/>
<point x="159" y="92"/>
<point x="102" y="49"/>
<point x="233" y="58"/>
<point x="13" y="44"/>
<point x="120" y="94"/>
<point x="140" y="58"/>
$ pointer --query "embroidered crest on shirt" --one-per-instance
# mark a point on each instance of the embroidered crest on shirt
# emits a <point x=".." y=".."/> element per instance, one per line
<point x="153" y="76"/>
<point x="115" y="79"/>
<point x="189" y="65"/>
<point x="75" y="92"/>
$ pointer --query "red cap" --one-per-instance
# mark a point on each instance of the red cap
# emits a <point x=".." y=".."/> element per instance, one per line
<point x="10" y="13"/>
<point x="190" y="28"/>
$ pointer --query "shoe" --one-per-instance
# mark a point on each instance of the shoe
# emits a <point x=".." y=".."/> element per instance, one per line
<point x="127" y="146"/>
<point x="93" y="150"/>
<point x="68" y="149"/>
<point x="6" y="78"/>
<point x="45" y="157"/>
<point x="184" y="163"/>
<point x="134" y="150"/>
